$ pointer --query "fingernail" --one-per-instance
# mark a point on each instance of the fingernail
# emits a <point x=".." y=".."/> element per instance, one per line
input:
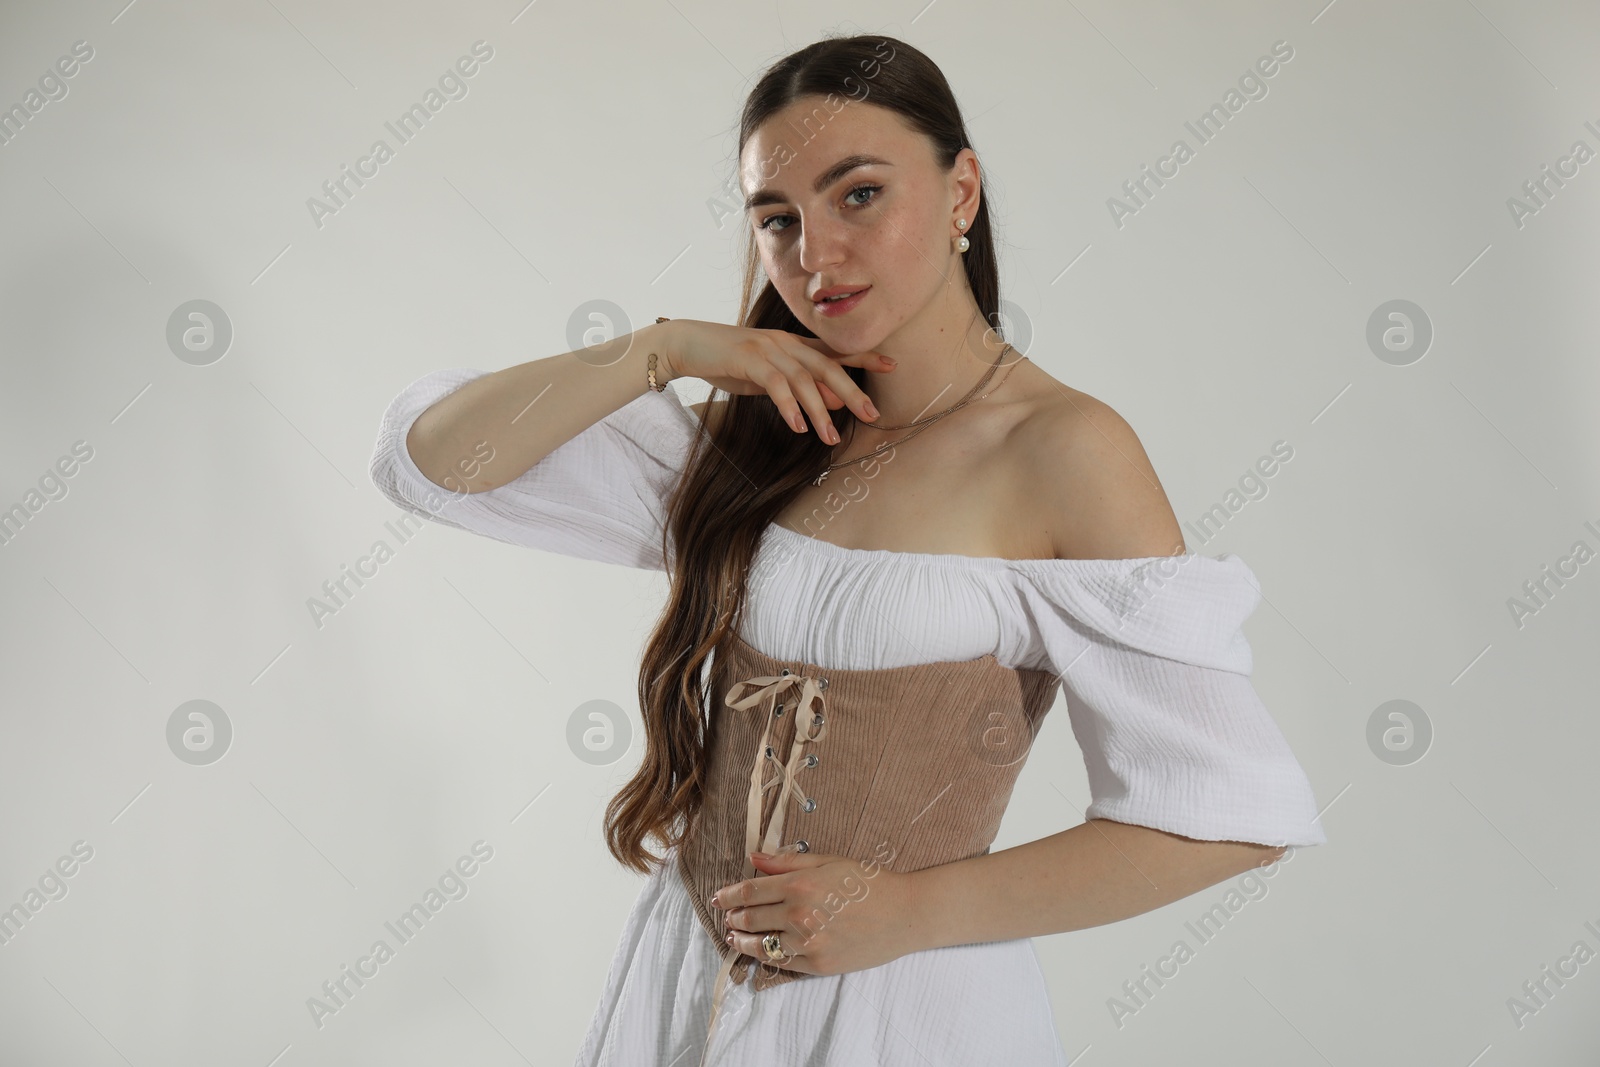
<point x="798" y="423"/>
<point x="889" y="361"/>
<point x="872" y="409"/>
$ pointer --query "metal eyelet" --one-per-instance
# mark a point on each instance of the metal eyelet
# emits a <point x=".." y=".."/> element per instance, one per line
<point x="802" y="845"/>
<point x="777" y="712"/>
<point x="809" y="805"/>
<point x="769" y="751"/>
<point x="811" y="760"/>
<point x="822" y="683"/>
<point x="816" y="720"/>
<point x="785" y="672"/>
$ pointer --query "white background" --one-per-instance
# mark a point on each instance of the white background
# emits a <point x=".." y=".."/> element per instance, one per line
<point x="368" y="754"/>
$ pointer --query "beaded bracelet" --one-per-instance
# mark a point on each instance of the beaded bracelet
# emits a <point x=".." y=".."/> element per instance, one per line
<point x="652" y="367"/>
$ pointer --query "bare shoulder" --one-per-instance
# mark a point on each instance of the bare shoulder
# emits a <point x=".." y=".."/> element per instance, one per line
<point x="1098" y="491"/>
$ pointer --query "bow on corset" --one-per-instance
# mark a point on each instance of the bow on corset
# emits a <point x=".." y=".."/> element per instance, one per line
<point x="764" y="691"/>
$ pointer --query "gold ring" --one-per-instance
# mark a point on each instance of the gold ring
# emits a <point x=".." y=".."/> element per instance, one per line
<point x="773" y="947"/>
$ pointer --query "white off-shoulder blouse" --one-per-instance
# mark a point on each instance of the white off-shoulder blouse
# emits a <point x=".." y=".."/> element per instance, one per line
<point x="1154" y="666"/>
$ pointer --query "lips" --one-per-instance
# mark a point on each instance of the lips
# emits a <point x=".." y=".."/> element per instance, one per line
<point x="845" y="296"/>
<point x="835" y="290"/>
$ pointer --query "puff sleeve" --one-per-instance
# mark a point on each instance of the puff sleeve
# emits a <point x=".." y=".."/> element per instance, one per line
<point x="600" y="496"/>
<point x="1156" y="672"/>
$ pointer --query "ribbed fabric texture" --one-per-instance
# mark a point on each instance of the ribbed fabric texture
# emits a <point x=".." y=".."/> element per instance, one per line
<point x="916" y="769"/>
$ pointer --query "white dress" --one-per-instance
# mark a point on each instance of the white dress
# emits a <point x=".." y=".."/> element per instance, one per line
<point x="1154" y="666"/>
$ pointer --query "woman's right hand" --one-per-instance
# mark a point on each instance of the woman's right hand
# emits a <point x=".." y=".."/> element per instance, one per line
<point x="801" y="374"/>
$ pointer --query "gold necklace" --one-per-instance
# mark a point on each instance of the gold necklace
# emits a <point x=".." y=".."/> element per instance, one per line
<point x="923" y="424"/>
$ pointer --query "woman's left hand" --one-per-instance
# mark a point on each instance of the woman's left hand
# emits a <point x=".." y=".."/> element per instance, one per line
<point x="833" y="914"/>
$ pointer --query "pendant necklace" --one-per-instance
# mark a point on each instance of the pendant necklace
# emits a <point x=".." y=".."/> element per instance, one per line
<point x="919" y="425"/>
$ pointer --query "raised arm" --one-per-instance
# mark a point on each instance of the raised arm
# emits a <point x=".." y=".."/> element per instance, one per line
<point x="494" y="428"/>
<point x="574" y="453"/>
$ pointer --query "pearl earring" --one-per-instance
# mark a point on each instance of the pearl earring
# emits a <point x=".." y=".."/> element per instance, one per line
<point x="962" y="244"/>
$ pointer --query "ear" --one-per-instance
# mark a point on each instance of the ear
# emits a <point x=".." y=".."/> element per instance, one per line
<point x="965" y="188"/>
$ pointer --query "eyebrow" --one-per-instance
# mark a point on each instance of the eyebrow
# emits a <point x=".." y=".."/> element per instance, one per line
<point x="825" y="179"/>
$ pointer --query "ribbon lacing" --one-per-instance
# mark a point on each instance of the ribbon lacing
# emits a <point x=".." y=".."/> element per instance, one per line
<point x="765" y="690"/>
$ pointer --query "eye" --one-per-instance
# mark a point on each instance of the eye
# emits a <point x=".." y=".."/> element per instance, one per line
<point x="766" y="223"/>
<point x="863" y="189"/>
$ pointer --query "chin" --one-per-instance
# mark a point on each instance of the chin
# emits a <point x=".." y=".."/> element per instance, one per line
<point x="845" y="340"/>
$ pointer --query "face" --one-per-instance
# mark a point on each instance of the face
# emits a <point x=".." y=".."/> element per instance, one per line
<point x="885" y="227"/>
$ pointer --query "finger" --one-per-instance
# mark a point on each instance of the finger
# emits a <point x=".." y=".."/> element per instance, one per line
<point x="750" y="945"/>
<point x="805" y="389"/>
<point x="777" y="386"/>
<point x="868" y="358"/>
<point x="825" y="370"/>
<point x="755" y="918"/>
<point x="762" y="889"/>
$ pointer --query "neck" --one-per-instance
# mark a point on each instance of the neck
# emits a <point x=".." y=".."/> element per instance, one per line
<point x="940" y="355"/>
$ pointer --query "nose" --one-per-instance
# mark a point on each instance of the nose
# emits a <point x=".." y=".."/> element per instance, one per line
<point x="822" y="245"/>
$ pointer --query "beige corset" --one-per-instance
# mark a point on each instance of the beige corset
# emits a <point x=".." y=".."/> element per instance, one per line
<point x="910" y="767"/>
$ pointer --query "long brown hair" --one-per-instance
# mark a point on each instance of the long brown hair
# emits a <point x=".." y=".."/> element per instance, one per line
<point x="739" y="477"/>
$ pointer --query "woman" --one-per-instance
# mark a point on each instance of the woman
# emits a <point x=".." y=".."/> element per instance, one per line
<point x="860" y="638"/>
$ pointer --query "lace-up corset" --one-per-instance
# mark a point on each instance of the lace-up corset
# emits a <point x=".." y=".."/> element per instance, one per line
<point x="910" y="767"/>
